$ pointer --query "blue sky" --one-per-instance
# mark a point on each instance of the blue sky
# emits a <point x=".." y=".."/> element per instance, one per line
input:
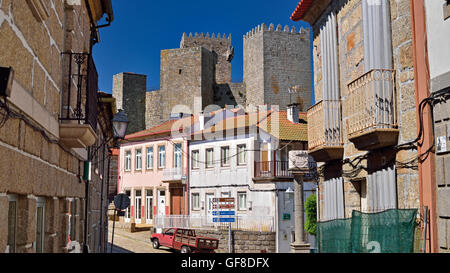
<point x="142" y="28"/>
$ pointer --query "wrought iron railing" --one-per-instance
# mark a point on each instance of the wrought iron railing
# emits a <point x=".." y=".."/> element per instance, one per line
<point x="275" y="169"/>
<point x="324" y="124"/>
<point x="371" y="102"/>
<point x="80" y="98"/>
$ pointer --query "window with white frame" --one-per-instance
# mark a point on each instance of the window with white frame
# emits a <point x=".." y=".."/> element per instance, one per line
<point x="195" y="159"/>
<point x="149" y="158"/>
<point x="161" y="157"/>
<point x="177" y="156"/>
<point x="138" y="159"/>
<point x="225" y="156"/>
<point x="210" y="158"/>
<point x="128" y="161"/>
<point x="128" y="211"/>
<point x="196" y="201"/>
<point x="12" y="223"/>
<point x="242" y="154"/>
<point x="40" y="231"/>
<point x="242" y="200"/>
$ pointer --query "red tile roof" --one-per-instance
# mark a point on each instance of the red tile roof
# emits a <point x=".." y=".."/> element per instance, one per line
<point x="302" y="7"/>
<point x="162" y="129"/>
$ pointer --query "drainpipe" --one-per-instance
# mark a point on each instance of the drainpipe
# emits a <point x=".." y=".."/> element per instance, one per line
<point x="427" y="178"/>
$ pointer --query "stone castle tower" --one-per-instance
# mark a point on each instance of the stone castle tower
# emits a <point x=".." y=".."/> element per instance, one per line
<point x="274" y="61"/>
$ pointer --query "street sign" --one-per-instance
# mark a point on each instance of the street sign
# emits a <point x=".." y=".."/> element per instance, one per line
<point x="224" y="220"/>
<point x="224" y="213"/>
<point x="223" y="206"/>
<point x="121" y="201"/>
<point x="223" y="200"/>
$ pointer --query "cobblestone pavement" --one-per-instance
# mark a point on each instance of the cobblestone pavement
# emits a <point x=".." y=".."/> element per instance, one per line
<point x="127" y="242"/>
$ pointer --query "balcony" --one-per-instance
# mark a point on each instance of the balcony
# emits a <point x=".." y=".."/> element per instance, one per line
<point x="371" y="109"/>
<point x="79" y="114"/>
<point x="324" y="131"/>
<point x="271" y="171"/>
<point x="172" y="175"/>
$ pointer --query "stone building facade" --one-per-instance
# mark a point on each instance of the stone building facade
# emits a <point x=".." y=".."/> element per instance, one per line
<point x="367" y="163"/>
<point x="198" y="74"/>
<point x="276" y="60"/>
<point x="42" y="193"/>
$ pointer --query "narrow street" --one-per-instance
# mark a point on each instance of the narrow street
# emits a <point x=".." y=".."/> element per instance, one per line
<point x="127" y="242"/>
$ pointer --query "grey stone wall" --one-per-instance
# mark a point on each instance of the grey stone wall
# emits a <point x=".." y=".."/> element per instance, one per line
<point x="229" y="94"/>
<point x="185" y="74"/>
<point x="153" y="111"/>
<point x="276" y="59"/>
<point x="243" y="241"/>
<point x="219" y="45"/>
<point x="129" y="89"/>
<point x="442" y="129"/>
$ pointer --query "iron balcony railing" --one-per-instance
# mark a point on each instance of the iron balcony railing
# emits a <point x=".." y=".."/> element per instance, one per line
<point x="174" y="174"/>
<point x="80" y="96"/>
<point x="371" y="102"/>
<point x="275" y="169"/>
<point x="324" y="124"/>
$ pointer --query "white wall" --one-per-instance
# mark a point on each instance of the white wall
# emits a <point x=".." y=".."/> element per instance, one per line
<point x="438" y="35"/>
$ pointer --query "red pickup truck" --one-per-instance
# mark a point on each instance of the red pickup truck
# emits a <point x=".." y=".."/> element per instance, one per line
<point x="184" y="240"/>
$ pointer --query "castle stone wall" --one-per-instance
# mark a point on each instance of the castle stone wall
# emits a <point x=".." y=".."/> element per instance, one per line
<point x="276" y="59"/>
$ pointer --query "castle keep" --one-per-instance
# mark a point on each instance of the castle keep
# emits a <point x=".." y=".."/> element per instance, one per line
<point x="198" y="74"/>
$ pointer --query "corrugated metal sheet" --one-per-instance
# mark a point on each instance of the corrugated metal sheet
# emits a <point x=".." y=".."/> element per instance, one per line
<point x="334" y="199"/>
<point x="382" y="190"/>
<point x="378" y="55"/>
<point x="331" y="92"/>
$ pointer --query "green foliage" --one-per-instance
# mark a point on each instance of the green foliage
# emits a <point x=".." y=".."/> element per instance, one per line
<point x="311" y="215"/>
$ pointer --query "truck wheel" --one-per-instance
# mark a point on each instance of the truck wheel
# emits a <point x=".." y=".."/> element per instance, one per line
<point x="155" y="243"/>
<point x="185" y="249"/>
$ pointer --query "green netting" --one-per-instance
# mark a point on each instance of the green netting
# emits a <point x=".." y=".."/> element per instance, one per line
<point x="391" y="231"/>
<point x="334" y="236"/>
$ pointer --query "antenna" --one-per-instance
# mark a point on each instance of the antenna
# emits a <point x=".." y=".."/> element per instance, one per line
<point x="291" y="90"/>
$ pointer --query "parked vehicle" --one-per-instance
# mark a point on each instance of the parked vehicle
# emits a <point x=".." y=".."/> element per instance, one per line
<point x="184" y="240"/>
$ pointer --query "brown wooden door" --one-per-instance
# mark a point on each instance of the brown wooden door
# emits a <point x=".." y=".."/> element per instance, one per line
<point x="264" y="161"/>
<point x="176" y="201"/>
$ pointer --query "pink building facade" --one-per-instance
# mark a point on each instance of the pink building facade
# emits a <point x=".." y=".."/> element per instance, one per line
<point x="152" y="171"/>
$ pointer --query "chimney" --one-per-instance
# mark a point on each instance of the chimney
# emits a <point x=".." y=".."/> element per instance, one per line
<point x="293" y="112"/>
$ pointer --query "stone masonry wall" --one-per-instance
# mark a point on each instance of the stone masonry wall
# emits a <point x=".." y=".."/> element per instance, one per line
<point x="286" y="62"/>
<point x="243" y="241"/>
<point x="32" y="166"/>
<point x="351" y="66"/>
<point x="129" y="89"/>
<point x="184" y="76"/>
<point x="219" y="45"/>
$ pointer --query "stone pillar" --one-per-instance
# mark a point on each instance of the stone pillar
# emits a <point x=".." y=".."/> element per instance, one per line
<point x="300" y="245"/>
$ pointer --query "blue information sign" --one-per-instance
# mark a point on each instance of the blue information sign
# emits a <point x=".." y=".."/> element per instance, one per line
<point x="224" y="213"/>
<point x="224" y="220"/>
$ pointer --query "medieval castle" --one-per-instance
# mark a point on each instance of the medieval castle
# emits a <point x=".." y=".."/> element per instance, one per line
<point x="198" y="74"/>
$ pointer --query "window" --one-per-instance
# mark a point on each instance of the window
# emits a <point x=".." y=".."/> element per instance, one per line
<point x="209" y="158"/>
<point x="225" y="156"/>
<point x="242" y="200"/>
<point x="242" y="154"/>
<point x="161" y="157"/>
<point x="127" y="212"/>
<point x="12" y="223"/>
<point x="39" y="243"/>
<point x="177" y="156"/>
<point x="195" y="159"/>
<point x="138" y="206"/>
<point x="149" y="158"/>
<point x="73" y="210"/>
<point x="128" y="161"/>
<point x="196" y="201"/>
<point x="138" y="160"/>
<point x="149" y="204"/>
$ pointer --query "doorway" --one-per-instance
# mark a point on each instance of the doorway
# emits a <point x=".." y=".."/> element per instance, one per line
<point x="161" y="202"/>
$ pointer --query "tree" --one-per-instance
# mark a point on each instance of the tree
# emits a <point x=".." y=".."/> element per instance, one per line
<point x="311" y="215"/>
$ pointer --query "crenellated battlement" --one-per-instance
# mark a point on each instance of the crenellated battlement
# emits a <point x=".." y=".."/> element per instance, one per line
<point x="202" y="36"/>
<point x="263" y="28"/>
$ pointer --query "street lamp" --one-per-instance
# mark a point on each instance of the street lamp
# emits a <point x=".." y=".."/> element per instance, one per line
<point x="120" y="125"/>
